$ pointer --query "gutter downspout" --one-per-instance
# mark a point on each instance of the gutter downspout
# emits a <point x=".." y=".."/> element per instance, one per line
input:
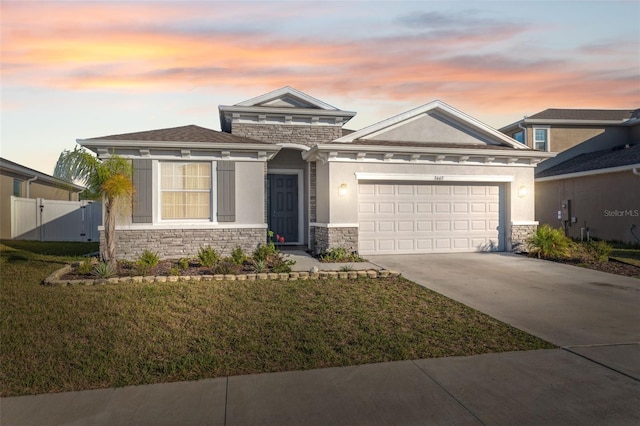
<point x="524" y="131"/>
<point x="636" y="171"/>
<point x="29" y="184"/>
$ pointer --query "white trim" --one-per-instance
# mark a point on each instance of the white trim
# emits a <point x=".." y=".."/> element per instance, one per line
<point x="433" y="177"/>
<point x="334" y="225"/>
<point x="213" y="194"/>
<point x="297" y="146"/>
<point x="283" y="91"/>
<point x="589" y="173"/>
<point x="300" y="174"/>
<point x="524" y="222"/>
<point x="434" y="105"/>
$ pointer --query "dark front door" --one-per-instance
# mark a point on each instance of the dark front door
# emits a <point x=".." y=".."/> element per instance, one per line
<point x="282" y="202"/>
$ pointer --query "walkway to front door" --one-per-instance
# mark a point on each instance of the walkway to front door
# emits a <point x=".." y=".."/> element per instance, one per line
<point x="282" y="205"/>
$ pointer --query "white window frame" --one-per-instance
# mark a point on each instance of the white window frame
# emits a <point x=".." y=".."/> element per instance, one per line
<point x="535" y="141"/>
<point x="213" y="210"/>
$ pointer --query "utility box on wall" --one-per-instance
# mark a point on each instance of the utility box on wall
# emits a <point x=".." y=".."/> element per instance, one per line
<point x="565" y="210"/>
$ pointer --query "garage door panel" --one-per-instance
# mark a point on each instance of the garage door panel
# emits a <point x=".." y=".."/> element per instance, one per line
<point x="386" y="226"/>
<point x="405" y="208"/>
<point x="424" y="207"/>
<point x="423" y="218"/>
<point x="405" y="245"/>
<point x="386" y="245"/>
<point x="405" y="226"/>
<point x="368" y="207"/>
<point x="443" y="208"/>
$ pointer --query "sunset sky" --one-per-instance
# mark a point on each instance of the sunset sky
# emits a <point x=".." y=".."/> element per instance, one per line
<point x="80" y="69"/>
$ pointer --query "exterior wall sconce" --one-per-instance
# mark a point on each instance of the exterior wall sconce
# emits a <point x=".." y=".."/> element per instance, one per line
<point x="522" y="191"/>
<point x="342" y="190"/>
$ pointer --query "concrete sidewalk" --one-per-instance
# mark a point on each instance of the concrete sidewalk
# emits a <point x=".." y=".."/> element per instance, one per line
<point x="304" y="262"/>
<point x="523" y="388"/>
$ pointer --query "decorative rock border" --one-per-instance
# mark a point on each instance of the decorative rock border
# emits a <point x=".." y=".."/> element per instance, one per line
<point x="55" y="279"/>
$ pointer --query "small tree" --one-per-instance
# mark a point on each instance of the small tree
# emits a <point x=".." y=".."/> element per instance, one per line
<point x="109" y="180"/>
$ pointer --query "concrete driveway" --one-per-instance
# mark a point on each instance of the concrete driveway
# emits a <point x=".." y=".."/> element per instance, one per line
<point x="566" y="305"/>
<point x="591" y="313"/>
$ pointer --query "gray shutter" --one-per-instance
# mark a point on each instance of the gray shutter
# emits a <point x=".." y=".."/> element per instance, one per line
<point x="226" y="191"/>
<point x="143" y="192"/>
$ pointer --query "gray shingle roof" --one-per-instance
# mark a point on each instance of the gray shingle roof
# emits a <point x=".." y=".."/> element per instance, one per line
<point x="190" y="133"/>
<point x="605" y="159"/>
<point x="583" y="114"/>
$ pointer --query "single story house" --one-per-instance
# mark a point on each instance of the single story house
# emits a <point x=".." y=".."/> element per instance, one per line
<point x="592" y="187"/>
<point x="23" y="182"/>
<point x="430" y="180"/>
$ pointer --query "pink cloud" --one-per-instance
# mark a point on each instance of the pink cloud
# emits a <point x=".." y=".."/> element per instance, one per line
<point x="152" y="47"/>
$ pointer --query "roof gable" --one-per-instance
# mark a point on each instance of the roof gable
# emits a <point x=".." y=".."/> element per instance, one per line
<point x="287" y="97"/>
<point x="433" y="123"/>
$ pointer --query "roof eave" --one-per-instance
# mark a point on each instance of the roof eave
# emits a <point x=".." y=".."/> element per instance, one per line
<point x="106" y="143"/>
<point x="628" y="167"/>
<point x="353" y="148"/>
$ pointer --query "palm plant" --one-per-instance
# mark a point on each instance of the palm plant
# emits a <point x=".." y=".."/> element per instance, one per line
<point x="109" y="179"/>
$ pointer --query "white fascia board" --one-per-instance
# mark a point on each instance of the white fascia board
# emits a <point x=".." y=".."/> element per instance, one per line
<point x="352" y="148"/>
<point x="286" y="111"/>
<point x="25" y="173"/>
<point x="628" y="167"/>
<point x="105" y="143"/>
<point x="433" y="177"/>
<point x="287" y="90"/>
<point x="434" y="105"/>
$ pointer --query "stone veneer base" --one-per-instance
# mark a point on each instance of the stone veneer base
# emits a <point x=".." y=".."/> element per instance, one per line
<point x="176" y="243"/>
<point x="520" y="234"/>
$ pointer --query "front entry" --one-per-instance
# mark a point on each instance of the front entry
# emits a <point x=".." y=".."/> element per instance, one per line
<point x="282" y="205"/>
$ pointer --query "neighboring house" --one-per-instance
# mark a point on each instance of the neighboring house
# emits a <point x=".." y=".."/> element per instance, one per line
<point x="592" y="187"/>
<point x="556" y="130"/>
<point x="432" y="179"/>
<point x="20" y="181"/>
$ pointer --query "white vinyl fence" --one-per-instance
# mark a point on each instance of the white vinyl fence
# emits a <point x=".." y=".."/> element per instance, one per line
<point x="55" y="220"/>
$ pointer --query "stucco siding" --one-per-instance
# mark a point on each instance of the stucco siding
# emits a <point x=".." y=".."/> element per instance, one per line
<point x="608" y="204"/>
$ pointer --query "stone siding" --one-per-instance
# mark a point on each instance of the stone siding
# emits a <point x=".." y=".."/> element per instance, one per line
<point x="309" y="135"/>
<point x="328" y="238"/>
<point x="177" y="243"/>
<point x="519" y="236"/>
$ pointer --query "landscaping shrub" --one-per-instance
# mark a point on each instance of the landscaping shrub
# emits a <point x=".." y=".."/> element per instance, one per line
<point x="208" y="256"/>
<point x="86" y="266"/>
<point x="103" y="270"/>
<point x="238" y="256"/>
<point x="183" y="263"/>
<point x="225" y="267"/>
<point x="339" y="255"/>
<point x="549" y="243"/>
<point x="599" y="250"/>
<point x="263" y="251"/>
<point x="146" y="261"/>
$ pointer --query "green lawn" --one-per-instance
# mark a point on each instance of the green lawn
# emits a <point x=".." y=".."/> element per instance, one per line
<point x="83" y="337"/>
<point x="626" y="253"/>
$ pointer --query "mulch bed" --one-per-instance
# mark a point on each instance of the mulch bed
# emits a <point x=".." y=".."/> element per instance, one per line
<point x="612" y="266"/>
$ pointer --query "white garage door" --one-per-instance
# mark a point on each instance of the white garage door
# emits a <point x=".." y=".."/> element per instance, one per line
<point x="429" y="218"/>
